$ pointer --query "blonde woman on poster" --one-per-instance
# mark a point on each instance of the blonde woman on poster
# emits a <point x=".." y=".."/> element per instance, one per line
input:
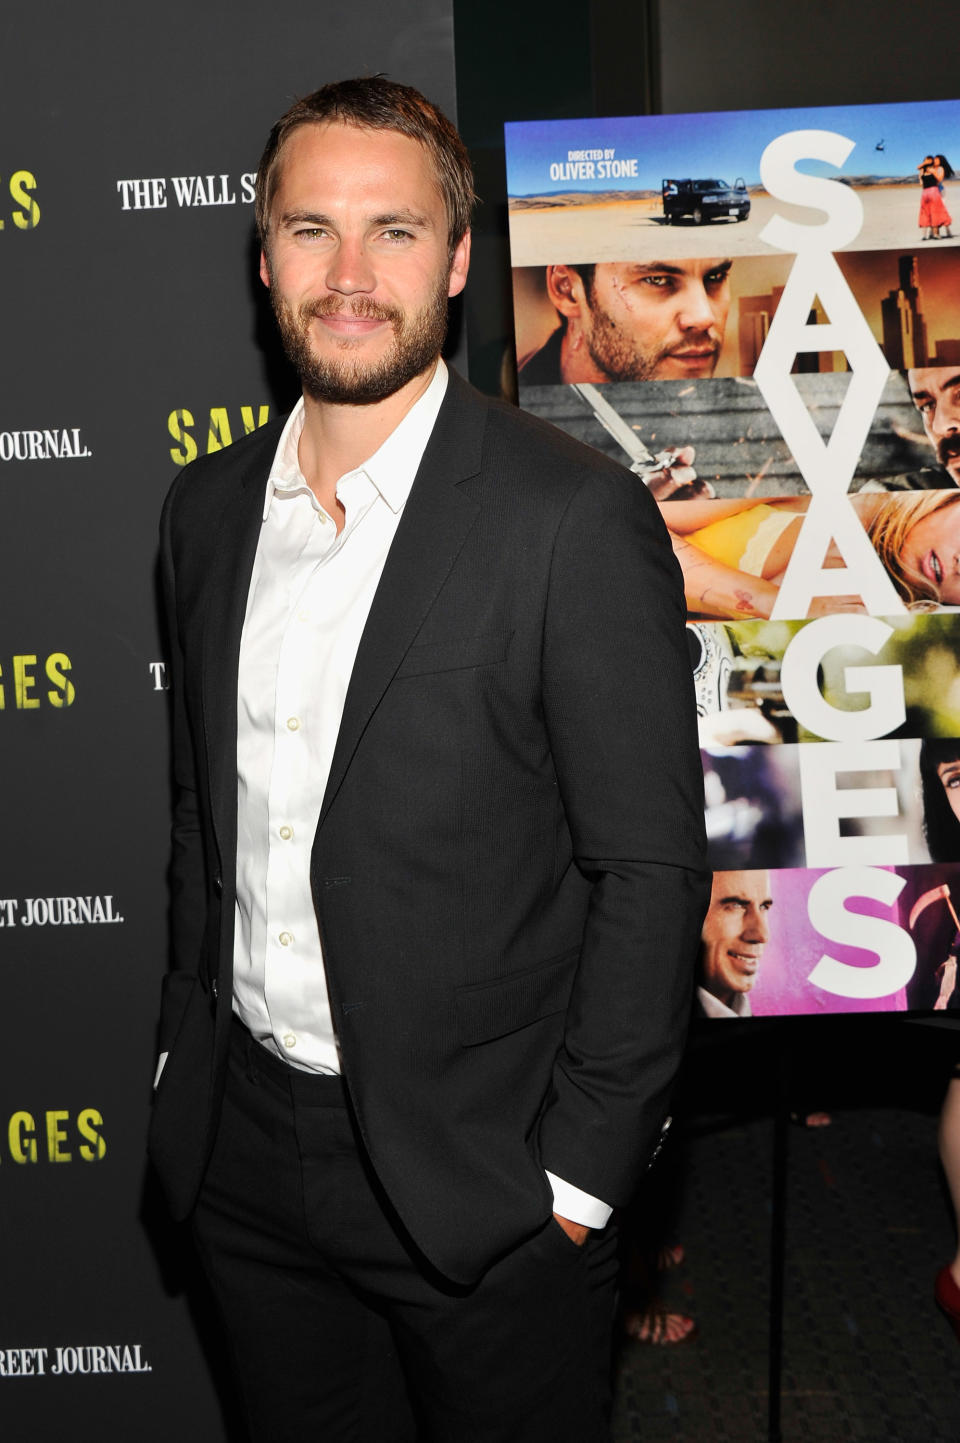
<point x="734" y="554"/>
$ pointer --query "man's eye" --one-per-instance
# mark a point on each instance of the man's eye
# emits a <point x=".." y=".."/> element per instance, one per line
<point x="657" y="282"/>
<point x="395" y="234"/>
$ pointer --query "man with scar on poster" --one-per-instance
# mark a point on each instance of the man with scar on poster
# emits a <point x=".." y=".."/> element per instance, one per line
<point x="633" y="321"/>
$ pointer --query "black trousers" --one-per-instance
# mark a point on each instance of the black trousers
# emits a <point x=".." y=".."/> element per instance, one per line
<point x="339" y="1330"/>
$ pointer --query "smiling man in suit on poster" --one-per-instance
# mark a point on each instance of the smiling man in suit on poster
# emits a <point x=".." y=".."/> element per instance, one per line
<point x="437" y="881"/>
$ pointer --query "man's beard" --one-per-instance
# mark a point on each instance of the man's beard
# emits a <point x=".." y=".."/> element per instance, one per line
<point x="622" y="358"/>
<point x="948" y="454"/>
<point x="417" y="341"/>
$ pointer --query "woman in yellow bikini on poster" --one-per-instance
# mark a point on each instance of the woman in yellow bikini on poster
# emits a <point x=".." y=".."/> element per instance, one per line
<point x="734" y="553"/>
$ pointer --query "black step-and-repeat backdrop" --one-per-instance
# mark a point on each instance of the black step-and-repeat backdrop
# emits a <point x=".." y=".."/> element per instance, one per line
<point x="133" y="339"/>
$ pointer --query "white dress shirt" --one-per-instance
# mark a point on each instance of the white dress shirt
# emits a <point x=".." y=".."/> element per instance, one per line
<point x="310" y="594"/>
<point x="713" y="1007"/>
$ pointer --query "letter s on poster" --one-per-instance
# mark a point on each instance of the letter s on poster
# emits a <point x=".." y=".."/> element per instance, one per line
<point x="894" y="948"/>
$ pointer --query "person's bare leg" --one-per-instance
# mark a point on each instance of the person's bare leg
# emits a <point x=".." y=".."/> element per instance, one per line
<point x="949" y="1140"/>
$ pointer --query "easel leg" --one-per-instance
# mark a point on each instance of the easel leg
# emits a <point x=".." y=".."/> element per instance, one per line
<point x="778" y="1245"/>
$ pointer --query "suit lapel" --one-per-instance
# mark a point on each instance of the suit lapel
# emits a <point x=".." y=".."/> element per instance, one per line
<point x="238" y="531"/>
<point x="436" y="521"/>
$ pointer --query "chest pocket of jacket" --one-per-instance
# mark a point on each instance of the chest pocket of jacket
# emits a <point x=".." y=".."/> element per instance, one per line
<point x="492" y="1009"/>
<point x="457" y="654"/>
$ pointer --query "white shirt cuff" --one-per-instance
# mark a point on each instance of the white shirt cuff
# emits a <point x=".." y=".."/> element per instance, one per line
<point x="578" y="1206"/>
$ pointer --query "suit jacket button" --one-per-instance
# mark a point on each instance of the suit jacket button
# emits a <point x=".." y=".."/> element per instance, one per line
<point x="213" y="988"/>
<point x="217" y="884"/>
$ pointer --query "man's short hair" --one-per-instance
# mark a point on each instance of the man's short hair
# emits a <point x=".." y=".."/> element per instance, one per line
<point x="372" y="102"/>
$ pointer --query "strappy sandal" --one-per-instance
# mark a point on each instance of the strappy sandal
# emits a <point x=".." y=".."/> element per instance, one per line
<point x="655" y="1325"/>
<point x="671" y="1255"/>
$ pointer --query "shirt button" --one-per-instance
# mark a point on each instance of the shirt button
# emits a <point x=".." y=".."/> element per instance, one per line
<point x="286" y="833"/>
<point x="322" y="517"/>
<point x="293" y="723"/>
<point x="285" y="939"/>
<point x="289" y="1040"/>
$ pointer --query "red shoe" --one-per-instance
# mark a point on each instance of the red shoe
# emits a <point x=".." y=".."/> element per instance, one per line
<point x="947" y="1296"/>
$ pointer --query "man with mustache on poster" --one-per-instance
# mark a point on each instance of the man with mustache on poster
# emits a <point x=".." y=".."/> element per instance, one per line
<point x="437" y="787"/>
<point x="633" y="321"/>
<point x="935" y="391"/>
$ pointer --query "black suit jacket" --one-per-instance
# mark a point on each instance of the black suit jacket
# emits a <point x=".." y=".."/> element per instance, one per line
<point x="507" y="866"/>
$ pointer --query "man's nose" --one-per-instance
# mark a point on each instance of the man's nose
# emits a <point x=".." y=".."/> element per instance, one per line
<point x="755" y="927"/>
<point x="349" y="269"/>
<point x="946" y="419"/>
<point x="697" y="311"/>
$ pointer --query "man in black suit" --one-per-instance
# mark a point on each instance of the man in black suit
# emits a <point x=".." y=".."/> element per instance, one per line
<point x="437" y="840"/>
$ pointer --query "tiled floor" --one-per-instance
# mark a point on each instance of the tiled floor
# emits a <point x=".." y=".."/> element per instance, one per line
<point x="867" y="1356"/>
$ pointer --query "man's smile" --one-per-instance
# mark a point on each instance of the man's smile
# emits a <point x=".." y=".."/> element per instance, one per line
<point x="345" y="325"/>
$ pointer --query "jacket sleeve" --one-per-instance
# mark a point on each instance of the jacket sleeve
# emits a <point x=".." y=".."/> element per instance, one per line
<point x="620" y="712"/>
<point x="188" y="877"/>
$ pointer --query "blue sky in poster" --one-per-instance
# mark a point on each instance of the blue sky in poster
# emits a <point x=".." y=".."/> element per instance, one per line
<point x="726" y="144"/>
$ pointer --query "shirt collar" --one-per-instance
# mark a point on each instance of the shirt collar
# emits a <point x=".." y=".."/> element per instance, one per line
<point x="713" y="1007"/>
<point x="392" y="469"/>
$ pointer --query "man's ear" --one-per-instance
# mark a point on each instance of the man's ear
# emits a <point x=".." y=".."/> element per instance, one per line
<point x="459" y="266"/>
<point x="264" y="269"/>
<point x="565" y="289"/>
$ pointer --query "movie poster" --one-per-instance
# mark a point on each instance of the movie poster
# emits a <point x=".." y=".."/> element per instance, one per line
<point x="759" y="314"/>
